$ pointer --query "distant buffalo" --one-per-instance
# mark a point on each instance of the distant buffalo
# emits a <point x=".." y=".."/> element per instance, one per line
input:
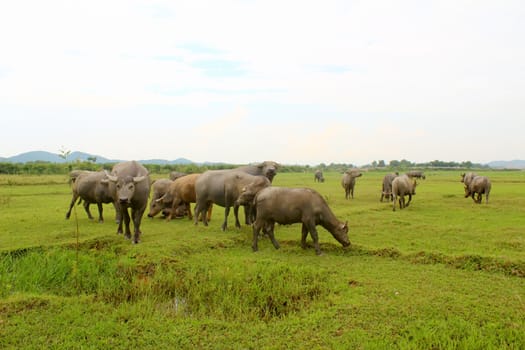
<point x="90" y="188"/>
<point x="466" y="178"/>
<point x="348" y="182"/>
<point x="130" y="186"/>
<point x="296" y="205"/>
<point x="418" y="174"/>
<point x="403" y="186"/>
<point x="318" y="176"/>
<point x="386" y="190"/>
<point x="479" y="185"/>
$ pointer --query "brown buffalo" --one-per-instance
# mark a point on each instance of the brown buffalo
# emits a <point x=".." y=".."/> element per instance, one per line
<point x="181" y="193"/>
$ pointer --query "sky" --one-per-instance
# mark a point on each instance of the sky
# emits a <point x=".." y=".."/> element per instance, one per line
<point x="297" y="82"/>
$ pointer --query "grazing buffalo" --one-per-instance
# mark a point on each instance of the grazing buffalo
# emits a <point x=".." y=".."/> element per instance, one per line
<point x="318" y="176"/>
<point x="130" y="186"/>
<point x="158" y="189"/>
<point x="386" y="190"/>
<point x="223" y="187"/>
<point x="181" y="193"/>
<point x="348" y="182"/>
<point x="478" y="185"/>
<point x="403" y="186"/>
<point x="417" y="174"/>
<point x="90" y="188"/>
<point x="293" y="205"/>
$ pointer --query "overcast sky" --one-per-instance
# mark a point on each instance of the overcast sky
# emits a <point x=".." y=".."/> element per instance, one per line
<point x="298" y="82"/>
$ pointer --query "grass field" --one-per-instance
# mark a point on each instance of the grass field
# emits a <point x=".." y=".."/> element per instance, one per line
<point x="443" y="273"/>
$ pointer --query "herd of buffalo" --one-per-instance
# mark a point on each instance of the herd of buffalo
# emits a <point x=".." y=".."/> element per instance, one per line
<point x="128" y="186"/>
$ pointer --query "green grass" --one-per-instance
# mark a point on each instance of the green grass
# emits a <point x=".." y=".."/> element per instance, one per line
<point x="443" y="273"/>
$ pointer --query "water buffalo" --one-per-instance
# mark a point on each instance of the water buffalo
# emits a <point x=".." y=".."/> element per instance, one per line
<point x="158" y="189"/>
<point x="130" y="186"/>
<point x="386" y="190"/>
<point x="318" y="176"/>
<point x="90" y="188"/>
<point x="348" y="182"/>
<point x="174" y="175"/>
<point x="466" y="178"/>
<point x="478" y="185"/>
<point x="267" y="168"/>
<point x="181" y="193"/>
<point x="223" y="187"/>
<point x="403" y="186"/>
<point x="293" y="205"/>
<point x="418" y="174"/>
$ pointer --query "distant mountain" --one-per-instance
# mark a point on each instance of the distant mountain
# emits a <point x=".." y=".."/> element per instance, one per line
<point x="507" y="164"/>
<point x="44" y="156"/>
<point x="166" y="162"/>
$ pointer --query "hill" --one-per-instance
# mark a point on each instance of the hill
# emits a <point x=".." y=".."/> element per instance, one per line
<point x="507" y="164"/>
<point x="44" y="156"/>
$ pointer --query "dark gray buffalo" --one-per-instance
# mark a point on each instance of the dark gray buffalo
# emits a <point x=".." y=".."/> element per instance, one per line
<point x="466" y="178"/>
<point x="403" y="186"/>
<point x="223" y="187"/>
<point x="267" y="168"/>
<point x="293" y="205"/>
<point x="418" y="174"/>
<point x="318" y="176"/>
<point x="348" y="182"/>
<point x="479" y="185"/>
<point x="386" y="190"/>
<point x="91" y="188"/>
<point x="213" y="184"/>
<point x="159" y="188"/>
<point x="130" y="186"/>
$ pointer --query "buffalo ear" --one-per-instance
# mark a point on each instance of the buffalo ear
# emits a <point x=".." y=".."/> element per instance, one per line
<point x="104" y="181"/>
<point x="345" y="226"/>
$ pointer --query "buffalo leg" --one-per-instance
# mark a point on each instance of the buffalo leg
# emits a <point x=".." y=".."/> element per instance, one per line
<point x="271" y="234"/>
<point x="117" y="213"/>
<point x="256" y="229"/>
<point x="73" y="200"/>
<point x="126" y="219"/>
<point x="137" y="217"/>
<point x="236" y="214"/>
<point x="304" y="234"/>
<point x="315" y="237"/>
<point x="86" y="208"/>
<point x="100" y="210"/>
<point x="409" y="199"/>
<point x="226" y="213"/>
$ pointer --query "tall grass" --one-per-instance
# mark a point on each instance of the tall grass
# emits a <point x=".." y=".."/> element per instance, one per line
<point x="443" y="273"/>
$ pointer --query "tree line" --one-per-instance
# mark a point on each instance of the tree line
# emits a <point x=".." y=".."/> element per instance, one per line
<point x="42" y="168"/>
